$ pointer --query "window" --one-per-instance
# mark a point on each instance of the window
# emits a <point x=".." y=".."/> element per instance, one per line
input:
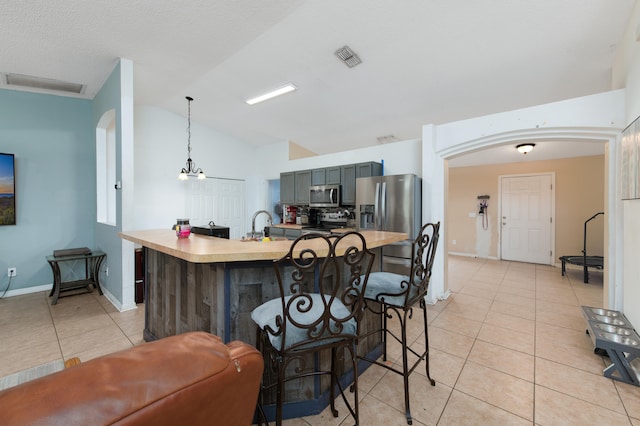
<point x="106" y="168"/>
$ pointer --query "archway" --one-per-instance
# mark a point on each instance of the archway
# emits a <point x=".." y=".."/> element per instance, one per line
<point x="597" y="121"/>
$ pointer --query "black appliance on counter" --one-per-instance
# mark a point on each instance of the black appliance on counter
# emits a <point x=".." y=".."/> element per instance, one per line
<point x="326" y="222"/>
<point x="211" y="230"/>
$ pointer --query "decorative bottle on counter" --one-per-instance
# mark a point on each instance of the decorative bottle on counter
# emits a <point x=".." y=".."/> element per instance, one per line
<point x="183" y="229"/>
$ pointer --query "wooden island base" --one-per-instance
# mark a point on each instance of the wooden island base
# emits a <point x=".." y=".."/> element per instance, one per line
<point x="184" y="294"/>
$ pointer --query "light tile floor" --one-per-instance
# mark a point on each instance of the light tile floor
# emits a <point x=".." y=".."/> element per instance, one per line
<point x="507" y="347"/>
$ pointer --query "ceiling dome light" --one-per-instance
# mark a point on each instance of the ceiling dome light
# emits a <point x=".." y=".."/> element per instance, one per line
<point x="523" y="148"/>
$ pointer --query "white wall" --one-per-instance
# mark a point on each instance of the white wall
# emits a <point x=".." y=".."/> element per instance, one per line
<point x="399" y="158"/>
<point x="626" y="73"/>
<point x="160" y="153"/>
<point x="598" y="117"/>
<point x="594" y="112"/>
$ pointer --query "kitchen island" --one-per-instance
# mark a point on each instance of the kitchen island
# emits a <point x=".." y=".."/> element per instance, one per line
<point x="204" y="283"/>
<point x="212" y="284"/>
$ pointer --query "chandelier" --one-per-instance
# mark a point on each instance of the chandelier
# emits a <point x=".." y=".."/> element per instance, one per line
<point x="191" y="165"/>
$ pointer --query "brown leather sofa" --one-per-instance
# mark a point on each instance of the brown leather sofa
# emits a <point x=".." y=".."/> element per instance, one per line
<point x="188" y="379"/>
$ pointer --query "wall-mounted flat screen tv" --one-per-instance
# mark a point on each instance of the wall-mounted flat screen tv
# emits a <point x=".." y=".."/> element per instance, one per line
<point x="7" y="189"/>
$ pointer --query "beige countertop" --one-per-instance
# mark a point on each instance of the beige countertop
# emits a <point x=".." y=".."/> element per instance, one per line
<point x="341" y="230"/>
<point x="287" y="226"/>
<point x="205" y="249"/>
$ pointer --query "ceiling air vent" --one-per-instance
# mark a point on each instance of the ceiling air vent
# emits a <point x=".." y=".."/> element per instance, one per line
<point x="348" y="56"/>
<point x="387" y="139"/>
<point x="43" y="83"/>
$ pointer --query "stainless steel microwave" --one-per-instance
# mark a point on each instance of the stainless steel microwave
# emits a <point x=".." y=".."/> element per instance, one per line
<point x="324" y="196"/>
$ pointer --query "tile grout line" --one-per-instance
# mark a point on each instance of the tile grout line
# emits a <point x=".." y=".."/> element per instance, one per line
<point x="475" y="340"/>
<point x="53" y="323"/>
<point x="535" y="340"/>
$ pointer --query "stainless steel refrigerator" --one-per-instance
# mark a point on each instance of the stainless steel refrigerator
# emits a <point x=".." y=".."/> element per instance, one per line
<point x="391" y="203"/>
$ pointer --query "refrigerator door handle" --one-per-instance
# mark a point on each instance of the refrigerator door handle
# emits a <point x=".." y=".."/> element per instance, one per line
<point x="383" y="208"/>
<point x="376" y="208"/>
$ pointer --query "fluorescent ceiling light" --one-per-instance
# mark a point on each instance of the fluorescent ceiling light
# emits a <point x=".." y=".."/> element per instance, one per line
<point x="281" y="91"/>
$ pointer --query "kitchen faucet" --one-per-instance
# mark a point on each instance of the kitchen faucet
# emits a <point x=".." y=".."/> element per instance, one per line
<point x="253" y="221"/>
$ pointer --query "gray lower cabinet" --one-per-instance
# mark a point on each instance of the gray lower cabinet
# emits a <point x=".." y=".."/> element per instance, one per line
<point x="292" y="234"/>
<point x="276" y="232"/>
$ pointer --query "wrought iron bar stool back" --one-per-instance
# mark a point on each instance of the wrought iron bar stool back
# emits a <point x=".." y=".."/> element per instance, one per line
<point x="388" y="294"/>
<point x="321" y="283"/>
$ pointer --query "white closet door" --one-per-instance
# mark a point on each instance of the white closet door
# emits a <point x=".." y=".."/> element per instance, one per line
<point x="219" y="200"/>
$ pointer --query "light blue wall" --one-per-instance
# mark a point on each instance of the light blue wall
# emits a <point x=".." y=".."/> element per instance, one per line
<point x="106" y="236"/>
<point x="53" y="142"/>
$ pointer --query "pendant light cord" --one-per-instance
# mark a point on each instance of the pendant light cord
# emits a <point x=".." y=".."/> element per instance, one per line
<point x="189" y="99"/>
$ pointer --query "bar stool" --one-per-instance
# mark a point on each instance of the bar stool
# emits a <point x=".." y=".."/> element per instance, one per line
<point x="321" y="283"/>
<point x="397" y="295"/>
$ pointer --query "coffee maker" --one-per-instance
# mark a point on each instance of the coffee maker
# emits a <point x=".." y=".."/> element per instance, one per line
<point x="290" y="213"/>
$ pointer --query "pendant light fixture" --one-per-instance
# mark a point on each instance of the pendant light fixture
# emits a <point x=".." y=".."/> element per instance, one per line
<point x="191" y="165"/>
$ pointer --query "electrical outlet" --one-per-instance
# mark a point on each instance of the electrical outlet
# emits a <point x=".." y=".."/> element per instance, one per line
<point x="454" y="242"/>
<point x="12" y="272"/>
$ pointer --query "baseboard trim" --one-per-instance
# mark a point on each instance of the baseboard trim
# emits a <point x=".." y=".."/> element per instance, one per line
<point x="28" y="290"/>
<point x="48" y="287"/>
<point x="473" y="255"/>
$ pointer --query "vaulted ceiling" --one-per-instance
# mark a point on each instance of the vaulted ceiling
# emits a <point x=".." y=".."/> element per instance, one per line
<point x="423" y="61"/>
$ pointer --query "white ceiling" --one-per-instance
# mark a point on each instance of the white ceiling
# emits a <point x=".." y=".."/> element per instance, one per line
<point x="424" y="61"/>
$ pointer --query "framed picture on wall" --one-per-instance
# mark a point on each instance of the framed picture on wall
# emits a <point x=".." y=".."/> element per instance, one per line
<point x="7" y="189"/>
<point x="630" y="178"/>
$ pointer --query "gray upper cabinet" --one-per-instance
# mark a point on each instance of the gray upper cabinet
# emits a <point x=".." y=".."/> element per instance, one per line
<point x="318" y="177"/>
<point x="302" y="184"/>
<point x="349" y="175"/>
<point x="332" y="175"/>
<point x="287" y="188"/>
<point x="368" y="169"/>
<point x="294" y="186"/>
<point x="348" y="184"/>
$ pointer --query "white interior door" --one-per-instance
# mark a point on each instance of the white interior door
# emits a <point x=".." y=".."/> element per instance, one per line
<point x="220" y="201"/>
<point x="527" y="218"/>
